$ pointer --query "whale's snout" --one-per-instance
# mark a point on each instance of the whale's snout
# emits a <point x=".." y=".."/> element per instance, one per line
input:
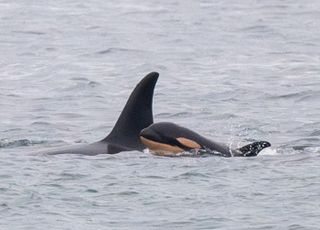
<point x="148" y="133"/>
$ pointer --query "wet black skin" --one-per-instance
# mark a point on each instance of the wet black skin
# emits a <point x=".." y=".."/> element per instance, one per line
<point x="136" y="115"/>
<point x="167" y="133"/>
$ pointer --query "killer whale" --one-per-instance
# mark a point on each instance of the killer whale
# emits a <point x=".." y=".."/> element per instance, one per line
<point x="136" y="115"/>
<point x="168" y="139"/>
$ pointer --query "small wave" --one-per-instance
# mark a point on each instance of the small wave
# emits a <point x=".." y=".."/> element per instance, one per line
<point x="6" y="143"/>
<point x="304" y="143"/>
<point x="225" y="116"/>
<point x="311" y="95"/>
<point x="78" y="87"/>
<point x="124" y="193"/>
<point x="93" y="83"/>
<point x="27" y="54"/>
<point x="41" y="123"/>
<point x="85" y="81"/>
<point x="288" y="95"/>
<point x="315" y="133"/>
<point x="114" y="50"/>
<point x="90" y="190"/>
<point x="80" y="79"/>
<point x="71" y="176"/>
<point x="191" y="174"/>
<point x="257" y="28"/>
<point x="69" y="115"/>
<point x="296" y="96"/>
<point x="12" y="95"/>
<point x="50" y="49"/>
<point x="28" y="32"/>
<point x="154" y="177"/>
<point x="89" y="83"/>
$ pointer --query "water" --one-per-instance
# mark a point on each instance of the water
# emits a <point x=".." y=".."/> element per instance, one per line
<point x="232" y="71"/>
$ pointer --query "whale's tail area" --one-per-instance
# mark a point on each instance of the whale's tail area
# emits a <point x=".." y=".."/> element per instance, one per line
<point x="253" y="149"/>
<point x="135" y="116"/>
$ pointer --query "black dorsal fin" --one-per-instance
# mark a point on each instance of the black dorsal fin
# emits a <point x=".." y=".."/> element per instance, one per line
<point x="254" y="148"/>
<point x="136" y="115"/>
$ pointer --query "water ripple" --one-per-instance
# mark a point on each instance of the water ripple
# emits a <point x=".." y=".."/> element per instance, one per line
<point x="6" y="143"/>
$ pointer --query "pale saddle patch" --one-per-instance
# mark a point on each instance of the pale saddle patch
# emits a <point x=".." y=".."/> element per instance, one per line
<point x="188" y="143"/>
<point x="160" y="148"/>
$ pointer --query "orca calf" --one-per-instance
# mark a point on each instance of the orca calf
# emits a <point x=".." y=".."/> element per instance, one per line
<point x="169" y="139"/>
<point x="136" y="115"/>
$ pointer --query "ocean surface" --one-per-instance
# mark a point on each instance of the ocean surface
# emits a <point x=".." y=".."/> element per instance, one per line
<point x="233" y="71"/>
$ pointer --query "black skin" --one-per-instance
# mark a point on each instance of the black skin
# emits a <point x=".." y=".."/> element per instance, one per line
<point x="167" y="133"/>
<point x="136" y="115"/>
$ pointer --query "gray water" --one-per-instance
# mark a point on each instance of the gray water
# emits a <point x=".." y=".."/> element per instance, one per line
<point x="234" y="71"/>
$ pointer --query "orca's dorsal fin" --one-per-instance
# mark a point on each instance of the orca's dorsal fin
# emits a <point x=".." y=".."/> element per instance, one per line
<point x="253" y="149"/>
<point x="135" y="116"/>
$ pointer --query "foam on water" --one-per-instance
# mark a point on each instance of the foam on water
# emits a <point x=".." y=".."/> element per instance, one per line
<point x="269" y="152"/>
